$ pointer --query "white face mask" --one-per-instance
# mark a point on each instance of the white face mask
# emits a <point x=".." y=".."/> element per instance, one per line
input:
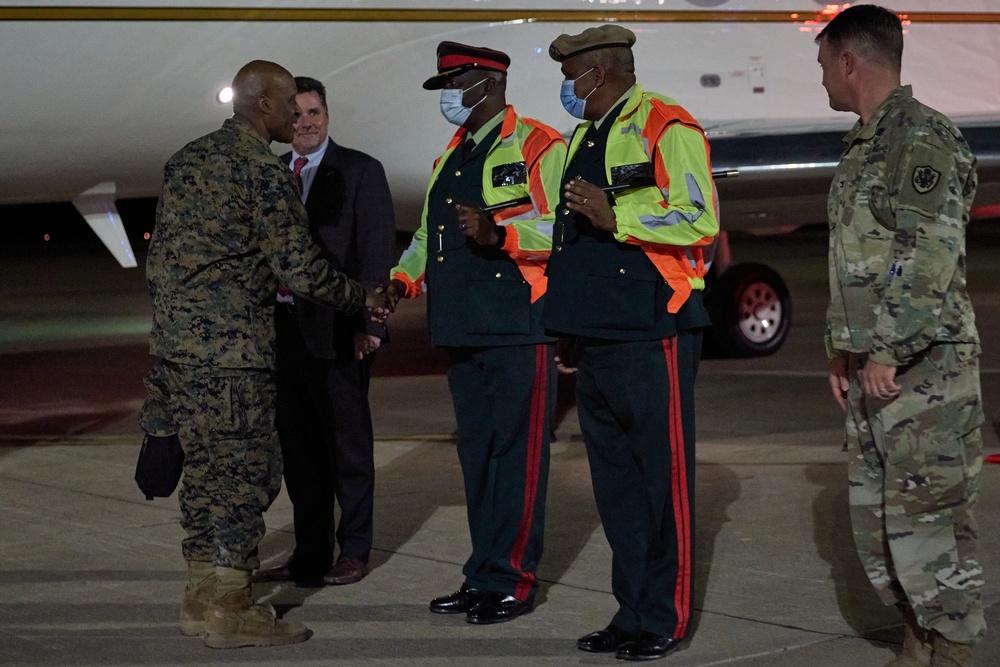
<point x="567" y="95"/>
<point x="451" y="104"/>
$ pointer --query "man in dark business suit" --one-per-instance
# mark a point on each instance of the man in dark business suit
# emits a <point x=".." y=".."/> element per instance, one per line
<point x="324" y="357"/>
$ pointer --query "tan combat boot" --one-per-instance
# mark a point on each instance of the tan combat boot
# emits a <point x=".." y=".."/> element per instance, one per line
<point x="951" y="654"/>
<point x="233" y="619"/>
<point x="199" y="589"/>
<point x="917" y="642"/>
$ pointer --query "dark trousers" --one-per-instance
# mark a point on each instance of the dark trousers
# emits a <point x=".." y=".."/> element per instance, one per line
<point x="503" y="398"/>
<point x="325" y="428"/>
<point x="636" y="407"/>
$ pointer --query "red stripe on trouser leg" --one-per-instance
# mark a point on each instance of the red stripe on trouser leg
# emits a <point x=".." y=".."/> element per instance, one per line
<point x="679" y="485"/>
<point x="536" y="424"/>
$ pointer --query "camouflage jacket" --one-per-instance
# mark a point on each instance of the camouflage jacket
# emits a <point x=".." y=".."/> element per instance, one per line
<point x="229" y="225"/>
<point x="898" y="206"/>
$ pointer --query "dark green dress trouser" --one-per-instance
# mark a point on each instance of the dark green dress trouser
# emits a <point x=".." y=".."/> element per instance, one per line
<point x="636" y="406"/>
<point x="503" y="398"/>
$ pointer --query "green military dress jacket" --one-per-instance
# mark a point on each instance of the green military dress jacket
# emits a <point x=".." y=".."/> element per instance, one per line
<point x="483" y="296"/>
<point x="626" y="285"/>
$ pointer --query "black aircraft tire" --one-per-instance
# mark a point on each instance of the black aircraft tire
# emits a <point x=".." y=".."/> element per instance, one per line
<point x="751" y="311"/>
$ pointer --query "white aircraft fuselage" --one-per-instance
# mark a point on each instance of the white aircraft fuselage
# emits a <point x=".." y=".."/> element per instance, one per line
<point x="99" y="93"/>
<point x="107" y="91"/>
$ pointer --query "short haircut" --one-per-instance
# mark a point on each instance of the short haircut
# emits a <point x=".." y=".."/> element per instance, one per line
<point x="306" y="84"/>
<point x="874" y="32"/>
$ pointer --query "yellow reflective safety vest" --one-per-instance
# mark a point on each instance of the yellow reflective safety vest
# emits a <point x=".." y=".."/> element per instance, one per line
<point x="525" y="162"/>
<point x="673" y="218"/>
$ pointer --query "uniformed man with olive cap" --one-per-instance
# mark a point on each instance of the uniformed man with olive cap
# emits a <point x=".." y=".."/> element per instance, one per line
<point x="635" y="219"/>
<point x="480" y="255"/>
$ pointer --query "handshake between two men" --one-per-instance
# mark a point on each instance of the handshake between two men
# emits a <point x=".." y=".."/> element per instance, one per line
<point x="477" y="225"/>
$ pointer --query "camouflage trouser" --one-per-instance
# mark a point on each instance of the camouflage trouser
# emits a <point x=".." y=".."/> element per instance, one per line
<point x="914" y="481"/>
<point x="232" y="462"/>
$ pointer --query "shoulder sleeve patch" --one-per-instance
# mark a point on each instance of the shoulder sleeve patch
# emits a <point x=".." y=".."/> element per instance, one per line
<point x="925" y="178"/>
<point x="927" y="181"/>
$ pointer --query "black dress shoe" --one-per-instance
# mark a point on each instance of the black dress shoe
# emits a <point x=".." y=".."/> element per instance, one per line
<point x="647" y="646"/>
<point x="604" y="641"/>
<point x="459" y="602"/>
<point x="497" y="608"/>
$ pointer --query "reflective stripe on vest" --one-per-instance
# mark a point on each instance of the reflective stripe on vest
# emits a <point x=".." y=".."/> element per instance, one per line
<point x="507" y="175"/>
<point x="632" y="140"/>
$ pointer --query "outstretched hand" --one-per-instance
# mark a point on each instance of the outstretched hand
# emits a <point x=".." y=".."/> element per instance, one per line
<point x="377" y="301"/>
<point x="394" y="290"/>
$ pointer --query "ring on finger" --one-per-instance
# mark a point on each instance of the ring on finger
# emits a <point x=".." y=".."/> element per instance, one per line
<point x="585" y="200"/>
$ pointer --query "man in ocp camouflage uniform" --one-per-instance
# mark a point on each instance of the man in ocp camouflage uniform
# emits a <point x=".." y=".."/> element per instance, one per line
<point x="902" y="341"/>
<point x="229" y="225"/>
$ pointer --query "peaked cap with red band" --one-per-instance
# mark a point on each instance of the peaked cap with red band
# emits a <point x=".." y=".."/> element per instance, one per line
<point x="454" y="58"/>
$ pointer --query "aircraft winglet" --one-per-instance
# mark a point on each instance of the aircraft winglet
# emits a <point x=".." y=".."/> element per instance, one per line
<point x="97" y="206"/>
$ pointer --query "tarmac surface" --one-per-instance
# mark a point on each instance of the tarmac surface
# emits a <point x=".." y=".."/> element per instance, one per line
<point x="91" y="573"/>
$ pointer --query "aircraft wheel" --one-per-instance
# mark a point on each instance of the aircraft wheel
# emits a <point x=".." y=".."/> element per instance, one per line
<point x="751" y="311"/>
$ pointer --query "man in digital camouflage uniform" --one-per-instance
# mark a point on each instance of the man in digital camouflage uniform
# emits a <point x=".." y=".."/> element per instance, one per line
<point x="902" y="340"/>
<point x="229" y="225"/>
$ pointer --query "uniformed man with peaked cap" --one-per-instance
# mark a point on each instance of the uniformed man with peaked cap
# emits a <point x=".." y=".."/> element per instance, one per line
<point x="635" y="218"/>
<point x="480" y="255"/>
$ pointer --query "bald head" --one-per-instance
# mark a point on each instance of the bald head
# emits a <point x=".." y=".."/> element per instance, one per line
<point x="264" y="96"/>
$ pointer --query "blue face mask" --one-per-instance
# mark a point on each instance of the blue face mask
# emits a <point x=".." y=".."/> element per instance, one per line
<point x="451" y="105"/>
<point x="567" y="95"/>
